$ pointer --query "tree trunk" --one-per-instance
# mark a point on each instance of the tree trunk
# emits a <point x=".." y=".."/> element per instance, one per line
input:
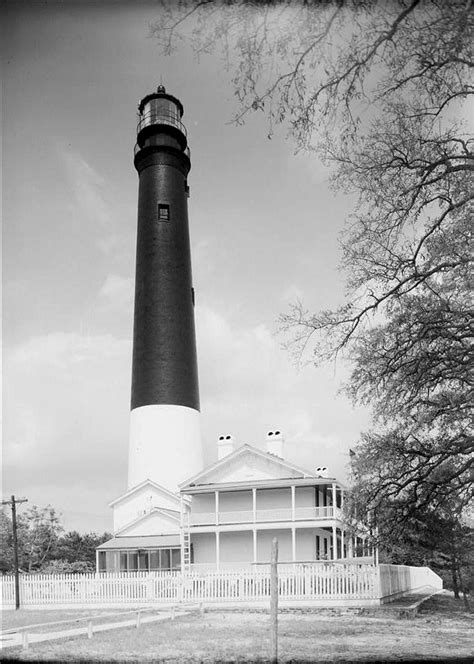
<point x="454" y="575"/>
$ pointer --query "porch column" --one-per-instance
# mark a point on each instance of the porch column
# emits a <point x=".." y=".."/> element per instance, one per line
<point x="351" y="549"/>
<point x="216" y="494"/>
<point x="254" y="545"/>
<point x="217" y="550"/>
<point x="293" y="511"/>
<point x="293" y="544"/>
<point x="334" y="543"/>
<point x="342" y="543"/>
<point x="97" y="561"/>
<point x="254" y="504"/>
<point x="334" y="500"/>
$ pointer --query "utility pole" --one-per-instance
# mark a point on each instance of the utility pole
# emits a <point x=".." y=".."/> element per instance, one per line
<point x="13" y="502"/>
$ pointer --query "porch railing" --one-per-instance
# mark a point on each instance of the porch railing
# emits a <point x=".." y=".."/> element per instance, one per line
<point x="261" y="516"/>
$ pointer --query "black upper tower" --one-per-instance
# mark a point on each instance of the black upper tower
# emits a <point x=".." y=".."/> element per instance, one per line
<point x="164" y="369"/>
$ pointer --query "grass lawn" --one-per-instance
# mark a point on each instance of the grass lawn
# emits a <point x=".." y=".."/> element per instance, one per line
<point x="440" y="632"/>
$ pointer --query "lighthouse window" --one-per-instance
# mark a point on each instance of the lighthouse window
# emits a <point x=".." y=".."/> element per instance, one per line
<point x="163" y="212"/>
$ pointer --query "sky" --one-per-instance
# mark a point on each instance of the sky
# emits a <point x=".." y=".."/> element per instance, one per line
<point x="264" y="231"/>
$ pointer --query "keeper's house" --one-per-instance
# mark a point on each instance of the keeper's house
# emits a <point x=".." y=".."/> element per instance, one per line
<point x="228" y="514"/>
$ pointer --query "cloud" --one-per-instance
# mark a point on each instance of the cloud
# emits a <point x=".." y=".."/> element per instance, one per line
<point x="88" y="187"/>
<point x="117" y="293"/>
<point x="248" y="385"/>
<point x="65" y="349"/>
<point x="66" y="412"/>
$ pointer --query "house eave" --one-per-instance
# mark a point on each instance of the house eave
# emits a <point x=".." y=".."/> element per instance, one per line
<point x="259" y="484"/>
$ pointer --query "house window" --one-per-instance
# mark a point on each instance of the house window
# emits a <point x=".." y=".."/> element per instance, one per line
<point x="133" y="561"/>
<point x="175" y="559"/>
<point x="143" y="561"/>
<point x="165" y="559"/>
<point x="163" y="212"/>
<point x="156" y="560"/>
<point x="102" y="561"/>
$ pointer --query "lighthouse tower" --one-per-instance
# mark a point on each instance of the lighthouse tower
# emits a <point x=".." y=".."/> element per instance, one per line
<point x="165" y="444"/>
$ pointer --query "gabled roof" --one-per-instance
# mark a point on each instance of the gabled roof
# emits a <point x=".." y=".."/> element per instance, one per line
<point x="281" y="468"/>
<point x="171" y="515"/>
<point x="146" y="483"/>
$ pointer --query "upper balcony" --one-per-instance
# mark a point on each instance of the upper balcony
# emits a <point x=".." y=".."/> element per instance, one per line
<point x="264" y="516"/>
<point x="152" y="118"/>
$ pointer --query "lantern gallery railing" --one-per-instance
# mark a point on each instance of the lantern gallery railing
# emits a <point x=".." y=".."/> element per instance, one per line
<point x="260" y="516"/>
<point x="159" y="118"/>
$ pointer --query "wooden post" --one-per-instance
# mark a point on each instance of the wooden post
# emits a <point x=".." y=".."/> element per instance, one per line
<point x="274" y="602"/>
<point x="24" y="640"/>
<point x="138" y="619"/>
<point x="89" y="630"/>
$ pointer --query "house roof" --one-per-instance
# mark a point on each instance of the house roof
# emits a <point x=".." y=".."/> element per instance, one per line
<point x="140" y="486"/>
<point x="287" y="469"/>
<point x="140" y="542"/>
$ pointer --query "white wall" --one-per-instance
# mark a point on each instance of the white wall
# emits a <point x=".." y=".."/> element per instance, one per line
<point x="235" y="500"/>
<point x="268" y="499"/>
<point x="204" y="547"/>
<point x="264" y="545"/>
<point x="141" y="502"/>
<point x="305" y="544"/>
<point x="152" y="524"/>
<point x="203" y="503"/>
<point x="304" y="496"/>
<point x="236" y="547"/>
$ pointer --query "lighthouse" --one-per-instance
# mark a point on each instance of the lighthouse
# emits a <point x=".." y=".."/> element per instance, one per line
<point x="165" y="443"/>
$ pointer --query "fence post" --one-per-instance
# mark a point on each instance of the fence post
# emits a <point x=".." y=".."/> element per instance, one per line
<point x="24" y="640"/>
<point x="180" y="588"/>
<point x="138" y="619"/>
<point x="90" y="631"/>
<point x="274" y="602"/>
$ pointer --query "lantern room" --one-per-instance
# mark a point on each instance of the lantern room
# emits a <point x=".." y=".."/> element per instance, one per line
<point x="159" y="116"/>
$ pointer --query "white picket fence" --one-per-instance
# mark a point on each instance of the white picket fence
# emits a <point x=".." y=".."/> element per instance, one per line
<point x="363" y="583"/>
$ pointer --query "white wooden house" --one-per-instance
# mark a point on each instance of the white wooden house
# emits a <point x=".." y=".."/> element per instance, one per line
<point x="227" y="515"/>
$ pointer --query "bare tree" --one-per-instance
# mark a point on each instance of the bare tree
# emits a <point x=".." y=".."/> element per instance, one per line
<point x="378" y="90"/>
